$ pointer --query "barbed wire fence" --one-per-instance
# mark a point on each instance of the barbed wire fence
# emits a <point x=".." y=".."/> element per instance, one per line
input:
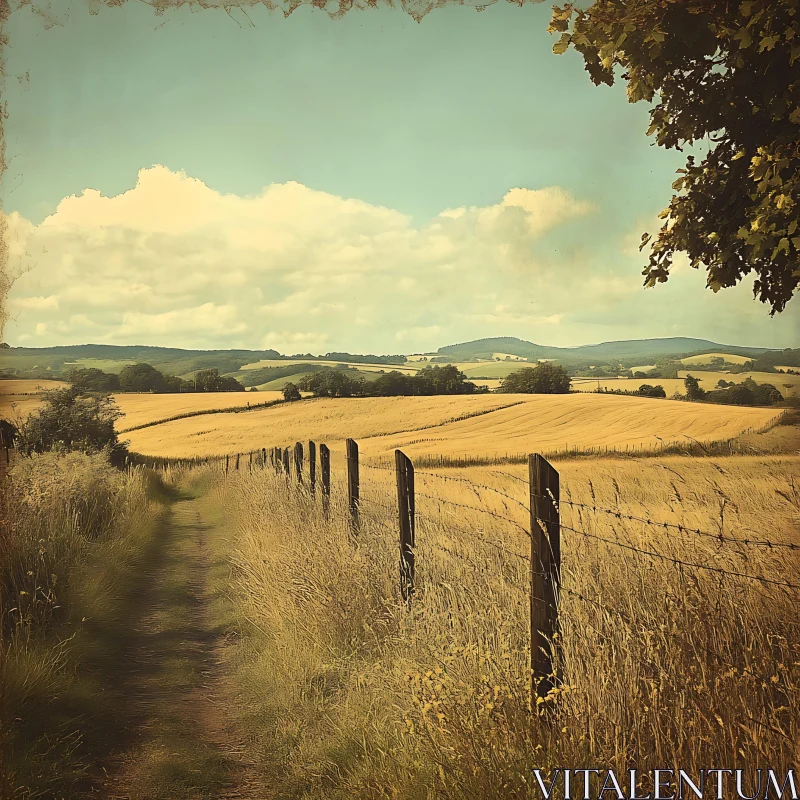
<point x="541" y="526"/>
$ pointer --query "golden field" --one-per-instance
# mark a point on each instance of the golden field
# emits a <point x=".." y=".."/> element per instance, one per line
<point x="323" y="419"/>
<point x="788" y="385"/>
<point x="19" y="397"/>
<point x="429" y="425"/>
<point x="706" y="358"/>
<point x="349" y="691"/>
<point x="140" y="409"/>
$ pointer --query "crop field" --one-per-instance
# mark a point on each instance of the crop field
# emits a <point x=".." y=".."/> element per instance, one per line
<point x="496" y="425"/>
<point x="324" y="419"/>
<point x="671" y="385"/>
<point x="19" y="397"/>
<point x="707" y="358"/>
<point x="270" y="362"/>
<point x="141" y="409"/>
<point x="789" y="385"/>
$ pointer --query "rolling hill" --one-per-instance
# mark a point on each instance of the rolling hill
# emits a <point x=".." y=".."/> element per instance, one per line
<point x="616" y="351"/>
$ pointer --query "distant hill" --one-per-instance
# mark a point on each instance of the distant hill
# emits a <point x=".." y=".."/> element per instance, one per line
<point x="625" y="350"/>
<point x="40" y="362"/>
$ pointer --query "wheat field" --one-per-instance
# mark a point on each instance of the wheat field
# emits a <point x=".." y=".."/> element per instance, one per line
<point x="142" y="409"/>
<point x="422" y="425"/>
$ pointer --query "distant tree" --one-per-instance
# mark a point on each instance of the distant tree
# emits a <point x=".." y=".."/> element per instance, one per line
<point x="693" y="390"/>
<point x="545" y="378"/>
<point x="93" y="380"/>
<point x="291" y="393"/>
<point x="725" y="73"/>
<point x="70" y="421"/>
<point x="646" y="390"/>
<point x="141" y="378"/>
<point x="209" y="380"/>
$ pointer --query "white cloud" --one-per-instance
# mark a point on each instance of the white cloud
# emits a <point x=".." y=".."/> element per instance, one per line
<point x="173" y="262"/>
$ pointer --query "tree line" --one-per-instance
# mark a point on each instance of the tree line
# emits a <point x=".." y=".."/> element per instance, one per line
<point x="146" y="378"/>
<point x="349" y="383"/>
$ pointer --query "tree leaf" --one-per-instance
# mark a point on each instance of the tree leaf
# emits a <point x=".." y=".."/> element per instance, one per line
<point x="562" y="44"/>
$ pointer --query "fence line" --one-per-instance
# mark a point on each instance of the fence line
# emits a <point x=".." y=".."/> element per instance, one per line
<point x="544" y="531"/>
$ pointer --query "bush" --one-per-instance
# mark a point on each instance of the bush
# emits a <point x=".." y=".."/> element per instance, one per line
<point x="67" y="421"/>
<point x="545" y="378"/>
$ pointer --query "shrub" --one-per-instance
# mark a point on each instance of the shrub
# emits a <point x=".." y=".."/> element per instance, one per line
<point x="67" y="421"/>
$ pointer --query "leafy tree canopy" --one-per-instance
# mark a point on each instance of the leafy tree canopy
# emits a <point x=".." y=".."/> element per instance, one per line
<point x="545" y="378"/>
<point x="69" y="421"/>
<point x="725" y="73"/>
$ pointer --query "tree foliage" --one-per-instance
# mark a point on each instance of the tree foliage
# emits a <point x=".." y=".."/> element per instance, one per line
<point x="349" y="383"/>
<point x="545" y="378"/>
<point x="68" y="421"/>
<point x="725" y="73"/>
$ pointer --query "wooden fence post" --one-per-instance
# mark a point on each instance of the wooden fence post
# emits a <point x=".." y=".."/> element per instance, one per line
<point x="263" y="458"/>
<point x="325" y="470"/>
<point x="545" y="571"/>
<point x="237" y="461"/>
<point x="250" y="466"/>
<point x="404" y="470"/>
<point x="298" y="461"/>
<point x="227" y="464"/>
<point x="352" y="485"/>
<point x="287" y="468"/>
<point x="312" y="467"/>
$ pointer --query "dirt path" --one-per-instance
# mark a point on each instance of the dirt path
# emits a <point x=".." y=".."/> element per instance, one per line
<point x="183" y="743"/>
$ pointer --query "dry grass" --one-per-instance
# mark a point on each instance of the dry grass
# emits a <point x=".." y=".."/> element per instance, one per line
<point x="348" y="694"/>
<point x="72" y="530"/>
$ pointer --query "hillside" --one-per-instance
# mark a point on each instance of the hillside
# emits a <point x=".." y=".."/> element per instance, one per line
<point x="269" y="369"/>
<point x="618" y="350"/>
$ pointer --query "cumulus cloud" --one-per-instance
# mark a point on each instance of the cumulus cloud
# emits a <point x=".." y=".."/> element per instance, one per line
<point x="173" y="262"/>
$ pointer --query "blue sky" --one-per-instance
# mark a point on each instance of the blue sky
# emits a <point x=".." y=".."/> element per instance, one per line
<point x="296" y="120"/>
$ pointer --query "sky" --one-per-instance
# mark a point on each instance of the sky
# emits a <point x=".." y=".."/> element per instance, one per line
<point x="210" y="180"/>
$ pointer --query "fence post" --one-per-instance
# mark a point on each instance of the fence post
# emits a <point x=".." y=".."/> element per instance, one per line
<point x="325" y="475"/>
<point x="352" y="485"/>
<point x="227" y="464"/>
<point x="250" y="466"/>
<point x="237" y="461"/>
<point x="404" y="470"/>
<point x="298" y="461"/>
<point x="287" y="468"/>
<point x="545" y="571"/>
<point x="263" y="458"/>
<point x="312" y="467"/>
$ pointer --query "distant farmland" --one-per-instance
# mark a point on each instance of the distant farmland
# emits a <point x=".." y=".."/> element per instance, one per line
<point x="498" y="424"/>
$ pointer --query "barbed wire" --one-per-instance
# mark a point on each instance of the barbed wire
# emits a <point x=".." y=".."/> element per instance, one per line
<point x="476" y="509"/>
<point x="720" y="537"/>
<point x="672" y="559"/>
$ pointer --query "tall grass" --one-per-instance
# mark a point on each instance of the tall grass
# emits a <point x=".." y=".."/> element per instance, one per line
<point x="71" y="532"/>
<point x="347" y="693"/>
